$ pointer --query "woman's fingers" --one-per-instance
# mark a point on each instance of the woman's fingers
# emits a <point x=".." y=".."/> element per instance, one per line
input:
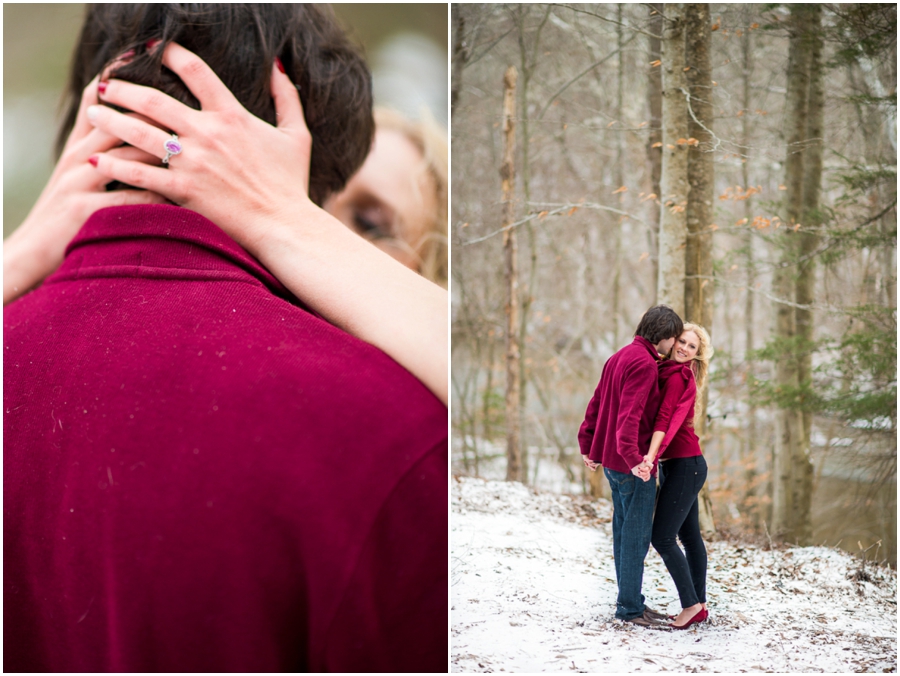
<point x="289" y="115"/>
<point x="140" y="175"/>
<point x="204" y="84"/>
<point x="120" y="198"/>
<point x="288" y="108"/>
<point x="96" y="179"/>
<point x="160" y="108"/>
<point x="82" y="126"/>
<point x="130" y="129"/>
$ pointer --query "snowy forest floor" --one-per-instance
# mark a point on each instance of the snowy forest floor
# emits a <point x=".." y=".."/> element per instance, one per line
<point x="533" y="589"/>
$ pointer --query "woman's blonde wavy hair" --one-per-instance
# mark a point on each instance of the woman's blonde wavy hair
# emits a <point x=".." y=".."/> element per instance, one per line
<point x="700" y="362"/>
<point x="431" y="140"/>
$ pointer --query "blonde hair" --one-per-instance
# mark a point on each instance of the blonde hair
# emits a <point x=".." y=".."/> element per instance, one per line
<point x="431" y="141"/>
<point x="700" y="362"/>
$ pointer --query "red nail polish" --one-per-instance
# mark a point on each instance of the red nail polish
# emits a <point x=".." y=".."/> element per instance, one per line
<point x="279" y="64"/>
<point x="152" y="42"/>
<point x="93" y="160"/>
<point x="101" y="87"/>
<point x="126" y="55"/>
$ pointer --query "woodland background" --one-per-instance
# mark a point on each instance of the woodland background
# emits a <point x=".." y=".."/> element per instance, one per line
<point x="735" y="161"/>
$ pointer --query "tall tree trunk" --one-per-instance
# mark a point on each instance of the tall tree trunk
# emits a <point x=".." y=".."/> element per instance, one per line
<point x="514" y="470"/>
<point x="698" y="287"/>
<point x="654" y="151"/>
<point x="674" y="183"/>
<point x="806" y="271"/>
<point x="698" y="284"/>
<point x="619" y="181"/>
<point x="788" y="521"/>
<point x="749" y="446"/>
<point x="528" y="64"/>
<point x="460" y="55"/>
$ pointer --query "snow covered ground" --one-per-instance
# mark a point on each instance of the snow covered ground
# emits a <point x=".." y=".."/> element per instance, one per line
<point x="533" y="589"/>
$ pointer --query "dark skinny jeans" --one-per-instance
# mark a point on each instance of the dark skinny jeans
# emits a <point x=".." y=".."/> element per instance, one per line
<point x="677" y="513"/>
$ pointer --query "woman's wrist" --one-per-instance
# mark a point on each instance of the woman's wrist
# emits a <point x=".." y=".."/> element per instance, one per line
<point x="26" y="261"/>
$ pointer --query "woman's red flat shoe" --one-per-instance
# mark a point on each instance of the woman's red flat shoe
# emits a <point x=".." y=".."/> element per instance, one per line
<point x="696" y="619"/>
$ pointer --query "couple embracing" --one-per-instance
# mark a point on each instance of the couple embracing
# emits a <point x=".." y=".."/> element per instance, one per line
<point x="640" y="421"/>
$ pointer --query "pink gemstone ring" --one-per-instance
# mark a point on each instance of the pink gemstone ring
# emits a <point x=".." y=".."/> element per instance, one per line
<point x="172" y="146"/>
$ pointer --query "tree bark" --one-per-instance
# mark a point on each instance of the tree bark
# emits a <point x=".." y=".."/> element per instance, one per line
<point x="698" y="283"/>
<point x="698" y="287"/>
<point x="674" y="184"/>
<point x="806" y="271"/>
<point x="514" y="469"/>
<point x="654" y="152"/>
<point x="749" y="446"/>
<point x="788" y="521"/>
<point x="460" y="56"/>
<point x="619" y="180"/>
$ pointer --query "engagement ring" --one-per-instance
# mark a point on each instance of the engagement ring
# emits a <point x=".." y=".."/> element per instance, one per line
<point x="172" y="146"/>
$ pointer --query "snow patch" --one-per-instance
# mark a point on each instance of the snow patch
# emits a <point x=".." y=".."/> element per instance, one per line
<point x="533" y="589"/>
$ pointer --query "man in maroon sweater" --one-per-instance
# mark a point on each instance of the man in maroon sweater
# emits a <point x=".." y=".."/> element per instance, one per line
<point x="200" y="475"/>
<point x="616" y="432"/>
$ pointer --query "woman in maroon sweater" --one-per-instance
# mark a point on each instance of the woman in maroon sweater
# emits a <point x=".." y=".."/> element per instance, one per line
<point x="682" y="471"/>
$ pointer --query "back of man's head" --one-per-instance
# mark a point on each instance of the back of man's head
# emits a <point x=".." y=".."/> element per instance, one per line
<point x="240" y="43"/>
<point x="659" y="323"/>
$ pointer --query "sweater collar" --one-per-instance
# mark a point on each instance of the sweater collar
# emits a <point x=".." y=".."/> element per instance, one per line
<point x="669" y="367"/>
<point x="185" y="240"/>
<point x="650" y="347"/>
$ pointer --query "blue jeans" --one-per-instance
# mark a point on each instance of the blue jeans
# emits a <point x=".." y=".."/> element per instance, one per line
<point x="633" y="501"/>
<point x="677" y="512"/>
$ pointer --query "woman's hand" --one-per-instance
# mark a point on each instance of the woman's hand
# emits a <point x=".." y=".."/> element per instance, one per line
<point x="236" y="169"/>
<point x="250" y="178"/>
<point x="74" y="192"/>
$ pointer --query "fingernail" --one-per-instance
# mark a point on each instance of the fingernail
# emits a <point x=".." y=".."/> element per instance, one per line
<point x="93" y="160"/>
<point x="279" y="64"/>
<point x="101" y="88"/>
<point x="92" y="112"/>
<point x="151" y="43"/>
<point x="126" y="55"/>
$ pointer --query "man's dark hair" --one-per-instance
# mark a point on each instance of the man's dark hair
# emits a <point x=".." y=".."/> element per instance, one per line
<point x="240" y="43"/>
<point x="658" y="323"/>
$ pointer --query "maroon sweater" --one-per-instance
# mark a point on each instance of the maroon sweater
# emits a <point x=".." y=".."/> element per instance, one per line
<point x="676" y="412"/>
<point x="199" y="475"/>
<point x="619" y="419"/>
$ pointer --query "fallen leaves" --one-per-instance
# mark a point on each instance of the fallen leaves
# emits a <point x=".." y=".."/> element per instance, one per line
<point x="620" y="190"/>
<point x="738" y="194"/>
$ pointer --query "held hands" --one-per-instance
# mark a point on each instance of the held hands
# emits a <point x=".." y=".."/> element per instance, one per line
<point x="590" y="464"/>
<point x="236" y="170"/>
<point x="643" y="470"/>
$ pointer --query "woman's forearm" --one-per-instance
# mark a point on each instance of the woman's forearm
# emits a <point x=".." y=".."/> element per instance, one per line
<point x="655" y="442"/>
<point x="25" y="263"/>
<point x="362" y="290"/>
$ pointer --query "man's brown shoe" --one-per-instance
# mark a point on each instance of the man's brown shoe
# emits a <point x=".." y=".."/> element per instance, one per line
<point x="653" y="615"/>
<point x="648" y="622"/>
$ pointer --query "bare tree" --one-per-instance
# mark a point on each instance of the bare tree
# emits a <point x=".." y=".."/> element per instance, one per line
<point x="698" y="283"/>
<point x="793" y="470"/>
<point x="674" y="181"/>
<point x="508" y="176"/>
